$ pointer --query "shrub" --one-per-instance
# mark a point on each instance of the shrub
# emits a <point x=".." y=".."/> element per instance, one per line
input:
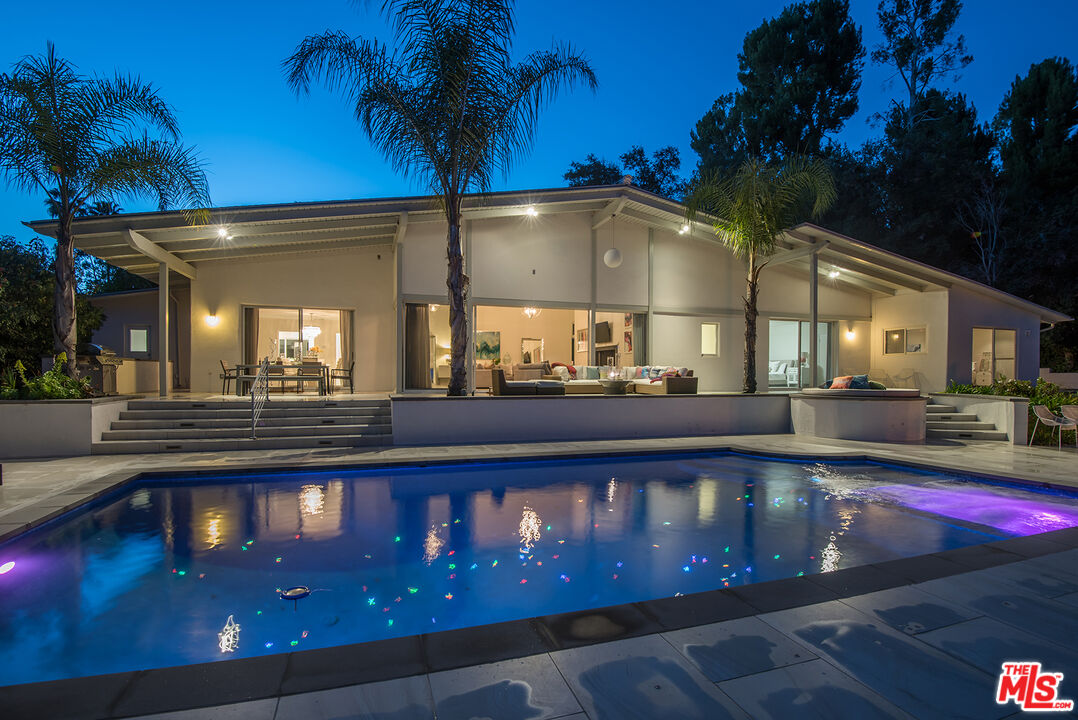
<point x="53" y="384"/>
<point x="1041" y="392"/>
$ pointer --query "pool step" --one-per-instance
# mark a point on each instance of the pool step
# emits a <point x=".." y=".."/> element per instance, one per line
<point x="245" y="432"/>
<point x="110" y="447"/>
<point x="945" y="422"/>
<point x="270" y="410"/>
<point x="155" y="426"/>
<point x="181" y="423"/>
<point x="968" y="434"/>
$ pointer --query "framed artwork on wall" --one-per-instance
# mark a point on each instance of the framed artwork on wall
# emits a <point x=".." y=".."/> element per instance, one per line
<point x="628" y="341"/>
<point x="488" y="345"/>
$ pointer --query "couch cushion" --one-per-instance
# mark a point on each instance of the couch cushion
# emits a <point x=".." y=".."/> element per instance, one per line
<point x="591" y="372"/>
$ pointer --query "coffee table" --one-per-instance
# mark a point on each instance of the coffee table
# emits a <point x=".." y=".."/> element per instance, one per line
<point x="614" y="386"/>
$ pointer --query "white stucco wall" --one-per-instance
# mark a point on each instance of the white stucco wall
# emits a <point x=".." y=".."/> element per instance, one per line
<point x="926" y="370"/>
<point x="359" y="279"/>
<point x="968" y="310"/>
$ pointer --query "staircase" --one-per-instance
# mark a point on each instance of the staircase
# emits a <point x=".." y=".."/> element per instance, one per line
<point x="155" y="426"/>
<point x="944" y="421"/>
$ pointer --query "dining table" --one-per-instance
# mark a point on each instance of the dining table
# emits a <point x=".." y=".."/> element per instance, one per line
<point x="246" y="372"/>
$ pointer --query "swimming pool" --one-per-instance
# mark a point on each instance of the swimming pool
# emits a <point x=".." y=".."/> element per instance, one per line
<point x="173" y="571"/>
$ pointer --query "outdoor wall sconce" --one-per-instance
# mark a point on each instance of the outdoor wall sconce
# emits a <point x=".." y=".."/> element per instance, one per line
<point x="212" y="320"/>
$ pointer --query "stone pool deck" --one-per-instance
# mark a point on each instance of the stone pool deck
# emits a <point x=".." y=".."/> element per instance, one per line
<point x="920" y="637"/>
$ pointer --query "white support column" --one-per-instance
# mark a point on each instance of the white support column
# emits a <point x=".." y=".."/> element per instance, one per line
<point x="164" y="378"/>
<point x="649" y="330"/>
<point x="814" y="316"/>
<point x="594" y="297"/>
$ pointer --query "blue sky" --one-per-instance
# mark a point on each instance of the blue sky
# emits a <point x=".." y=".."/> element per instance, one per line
<point x="660" y="67"/>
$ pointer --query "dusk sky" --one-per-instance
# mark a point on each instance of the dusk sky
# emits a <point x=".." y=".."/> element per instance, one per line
<point x="660" y="67"/>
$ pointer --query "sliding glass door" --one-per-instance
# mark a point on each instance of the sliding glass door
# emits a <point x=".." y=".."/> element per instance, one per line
<point x="788" y="353"/>
<point x="291" y="336"/>
<point x="994" y="354"/>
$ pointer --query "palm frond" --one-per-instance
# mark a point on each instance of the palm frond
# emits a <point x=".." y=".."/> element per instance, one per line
<point x="167" y="172"/>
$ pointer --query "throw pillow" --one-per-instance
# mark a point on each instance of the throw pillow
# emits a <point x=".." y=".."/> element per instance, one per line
<point x="773" y="366"/>
<point x="683" y="372"/>
<point x="842" y="382"/>
<point x="873" y="385"/>
<point x="859" y="382"/>
<point x="591" y="372"/>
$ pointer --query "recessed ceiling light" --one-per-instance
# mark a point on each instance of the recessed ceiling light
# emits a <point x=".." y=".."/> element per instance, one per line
<point x="222" y="233"/>
<point x="531" y="211"/>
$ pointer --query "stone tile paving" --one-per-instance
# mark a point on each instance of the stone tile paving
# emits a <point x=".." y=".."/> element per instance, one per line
<point x="929" y="650"/>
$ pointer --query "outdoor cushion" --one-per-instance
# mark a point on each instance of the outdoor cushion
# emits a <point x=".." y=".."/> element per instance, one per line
<point x="591" y="372"/>
<point x="859" y="382"/>
<point x="842" y="381"/>
<point x="873" y="385"/>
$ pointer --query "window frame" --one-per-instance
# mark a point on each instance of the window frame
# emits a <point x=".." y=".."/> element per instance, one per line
<point x="138" y="354"/>
<point x="905" y="330"/>
<point x="715" y="325"/>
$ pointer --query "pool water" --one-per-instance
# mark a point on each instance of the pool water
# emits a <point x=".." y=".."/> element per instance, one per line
<point x="184" y="570"/>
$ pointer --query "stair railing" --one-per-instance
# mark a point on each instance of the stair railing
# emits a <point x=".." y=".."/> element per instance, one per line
<point x="259" y="395"/>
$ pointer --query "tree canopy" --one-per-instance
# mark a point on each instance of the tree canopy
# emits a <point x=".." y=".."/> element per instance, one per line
<point x="800" y="73"/>
<point x="657" y="174"/>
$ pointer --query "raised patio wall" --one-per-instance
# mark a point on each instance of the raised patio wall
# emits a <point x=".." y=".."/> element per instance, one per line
<point x="426" y="420"/>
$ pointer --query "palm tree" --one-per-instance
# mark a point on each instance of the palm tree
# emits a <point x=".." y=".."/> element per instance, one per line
<point x="80" y="140"/>
<point x="446" y="104"/>
<point x="752" y="207"/>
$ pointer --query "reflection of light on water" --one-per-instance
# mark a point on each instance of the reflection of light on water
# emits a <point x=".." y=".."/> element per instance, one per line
<point x="529" y="528"/>
<point x="432" y="546"/>
<point x="829" y="557"/>
<point x="611" y="490"/>
<point x="213" y="533"/>
<point x="707" y="495"/>
<point x="140" y="498"/>
<point x="312" y="500"/>
<point x="229" y="637"/>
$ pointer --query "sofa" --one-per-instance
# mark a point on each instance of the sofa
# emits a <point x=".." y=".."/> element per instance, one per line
<point x="500" y="386"/>
<point x="663" y="381"/>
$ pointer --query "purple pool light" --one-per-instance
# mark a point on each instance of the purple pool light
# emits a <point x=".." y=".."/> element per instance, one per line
<point x="7" y="567"/>
<point x="1020" y="516"/>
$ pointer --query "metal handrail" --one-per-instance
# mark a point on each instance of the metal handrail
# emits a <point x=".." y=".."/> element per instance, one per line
<point x="259" y="395"/>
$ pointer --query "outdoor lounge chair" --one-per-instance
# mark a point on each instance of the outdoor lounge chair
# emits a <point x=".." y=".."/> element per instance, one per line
<point x="1049" y="419"/>
<point x="227" y="375"/>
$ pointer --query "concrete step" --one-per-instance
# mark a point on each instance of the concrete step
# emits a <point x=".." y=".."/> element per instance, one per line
<point x="967" y="434"/>
<point x="240" y="403"/>
<point x="934" y="408"/>
<point x="271" y="410"/>
<point x="291" y="420"/>
<point x="245" y="432"/>
<point x="959" y="425"/>
<point x="116" y="447"/>
<point x="952" y="417"/>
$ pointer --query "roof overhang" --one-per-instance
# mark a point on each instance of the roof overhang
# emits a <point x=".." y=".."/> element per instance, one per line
<point x="139" y="242"/>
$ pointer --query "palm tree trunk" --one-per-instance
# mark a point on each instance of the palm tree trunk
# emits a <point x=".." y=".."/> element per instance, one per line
<point x="63" y="324"/>
<point x="751" y="314"/>
<point x="457" y="283"/>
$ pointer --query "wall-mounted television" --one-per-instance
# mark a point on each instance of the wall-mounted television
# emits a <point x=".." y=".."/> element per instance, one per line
<point x="602" y="333"/>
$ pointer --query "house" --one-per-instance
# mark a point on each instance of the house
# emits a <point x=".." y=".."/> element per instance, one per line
<point x="363" y="281"/>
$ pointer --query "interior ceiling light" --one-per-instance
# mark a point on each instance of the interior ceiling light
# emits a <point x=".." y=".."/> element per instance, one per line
<point x="612" y="257"/>
<point x="532" y="312"/>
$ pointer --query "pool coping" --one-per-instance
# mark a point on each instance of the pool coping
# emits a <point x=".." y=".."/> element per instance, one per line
<point x="221" y="682"/>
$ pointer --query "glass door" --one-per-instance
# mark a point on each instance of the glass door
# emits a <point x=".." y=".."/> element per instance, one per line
<point x="823" y="353"/>
<point x="994" y="355"/>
